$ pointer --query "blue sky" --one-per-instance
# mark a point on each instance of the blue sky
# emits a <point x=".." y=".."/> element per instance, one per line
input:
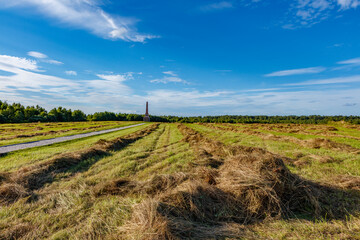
<point x="186" y="58"/>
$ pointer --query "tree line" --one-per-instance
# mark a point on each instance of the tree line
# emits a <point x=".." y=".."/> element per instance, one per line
<point x="17" y="113"/>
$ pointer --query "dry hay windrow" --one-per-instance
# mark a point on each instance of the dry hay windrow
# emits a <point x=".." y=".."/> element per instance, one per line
<point x="315" y="143"/>
<point x="208" y="152"/>
<point x="22" y="182"/>
<point x="152" y="187"/>
<point x="304" y="129"/>
<point x="48" y="132"/>
<point x="18" y="231"/>
<point x="250" y="185"/>
<point x="348" y="182"/>
<point x="302" y="160"/>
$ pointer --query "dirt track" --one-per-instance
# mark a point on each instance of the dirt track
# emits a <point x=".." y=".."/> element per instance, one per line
<point x="21" y="146"/>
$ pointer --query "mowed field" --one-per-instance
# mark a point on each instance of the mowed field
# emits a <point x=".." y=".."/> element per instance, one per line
<point x="19" y="133"/>
<point x="184" y="181"/>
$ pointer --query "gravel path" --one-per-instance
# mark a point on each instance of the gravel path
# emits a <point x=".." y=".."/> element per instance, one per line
<point x="21" y="146"/>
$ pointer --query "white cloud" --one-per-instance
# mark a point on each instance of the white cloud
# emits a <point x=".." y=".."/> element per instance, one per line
<point x="109" y="93"/>
<point x="117" y="77"/>
<point x="194" y="102"/>
<point x="22" y="78"/>
<point x="353" y="61"/>
<point x="37" y="54"/>
<point x="10" y="63"/>
<point x="39" y="87"/>
<point x="51" y="61"/>
<point x="305" y="13"/>
<point x="170" y="77"/>
<point x="350" y="79"/>
<point x="171" y="73"/>
<point x="84" y="14"/>
<point x="193" y="98"/>
<point x="168" y="80"/>
<point x="216" y="6"/>
<point x="299" y="71"/>
<point x="43" y="57"/>
<point x="350" y="104"/>
<point x="348" y="64"/>
<point x="114" y="78"/>
<point x="263" y="90"/>
<point x="71" y="73"/>
<point x="345" y="4"/>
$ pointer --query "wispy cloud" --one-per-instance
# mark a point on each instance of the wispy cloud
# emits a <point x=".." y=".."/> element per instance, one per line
<point x="37" y="54"/>
<point x="353" y="61"/>
<point x="346" y="4"/>
<point x="170" y="77"/>
<point x="350" y="79"/>
<point x="171" y="73"/>
<point x="55" y="62"/>
<point x="348" y="64"/>
<point x="24" y="83"/>
<point x="263" y="90"/>
<point x="43" y="58"/>
<point x="194" y="102"/>
<point x="305" y="13"/>
<point x="299" y="71"/>
<point x="216" y="6"/>
<point x="71" y="73"/>
<point x="85" y="14"/>
<point x="11" y="64"/>
<point x="349" y="104"/>
<point x="223" y="71"/>
<point x="110" y="92"/>
<point x="117" y="77"/>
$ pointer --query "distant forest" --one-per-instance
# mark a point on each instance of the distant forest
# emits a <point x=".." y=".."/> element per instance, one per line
<point x="17" y="113"/>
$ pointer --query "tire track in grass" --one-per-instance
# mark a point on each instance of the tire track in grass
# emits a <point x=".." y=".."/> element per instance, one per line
<point x="125" y="162"/>
<point x="141" y="157"/>
<point x="170" y="156"/>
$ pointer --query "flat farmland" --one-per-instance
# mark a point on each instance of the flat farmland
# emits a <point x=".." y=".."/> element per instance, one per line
<point x="15" y="133"/>
<point x="184" y="181"/>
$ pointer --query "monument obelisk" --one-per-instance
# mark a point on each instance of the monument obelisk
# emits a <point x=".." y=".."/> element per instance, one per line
<point x="147" y="117"/>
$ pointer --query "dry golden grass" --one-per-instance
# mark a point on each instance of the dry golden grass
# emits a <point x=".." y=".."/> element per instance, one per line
<point x="128" y="188"/>
<point x="250" y="185"/>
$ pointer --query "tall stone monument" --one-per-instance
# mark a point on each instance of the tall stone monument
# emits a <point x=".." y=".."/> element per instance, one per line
<point x="147" y="117"/>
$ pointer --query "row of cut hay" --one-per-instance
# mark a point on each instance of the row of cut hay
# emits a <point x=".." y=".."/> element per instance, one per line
<point x="208" y="152"/>
<point x="304" y="129"/>
<point x="156" y="185"/>
<point x="348" y="182"/>
<point x="48" y="132"/>
<point x="20" y="183"/>
<point x="251" y="185"/>
<point x="315" y="143"/>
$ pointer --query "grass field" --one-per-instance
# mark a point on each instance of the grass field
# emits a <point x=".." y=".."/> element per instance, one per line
<point x="14" y="133"/>
<point x="185" y="181"/>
